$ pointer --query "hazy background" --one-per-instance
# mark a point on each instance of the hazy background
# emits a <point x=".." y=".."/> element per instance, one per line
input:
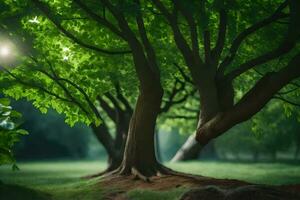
<point x="51" y="139"/>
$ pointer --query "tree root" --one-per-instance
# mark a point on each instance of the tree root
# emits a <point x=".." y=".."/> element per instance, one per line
<point x="145" y="175"/>
<point x="138" y="175"/>
<point x="168" y="171"/>
<point x="94" y="175"/>
<point x="108" y="170"/>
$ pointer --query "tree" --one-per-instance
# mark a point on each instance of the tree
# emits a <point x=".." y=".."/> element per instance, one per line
<point x="214" y="75"/>
<point x="58" y="79"/>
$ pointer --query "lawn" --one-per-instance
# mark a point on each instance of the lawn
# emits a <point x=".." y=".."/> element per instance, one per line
<point x="62" y="179"/>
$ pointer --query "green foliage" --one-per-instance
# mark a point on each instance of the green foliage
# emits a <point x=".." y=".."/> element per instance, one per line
<point x="92" y="72"/>
<point x="9" y="132"/>
<point x="51" y="138"/>
<point x="96" y="73"/>
<point x="269" y="132"/>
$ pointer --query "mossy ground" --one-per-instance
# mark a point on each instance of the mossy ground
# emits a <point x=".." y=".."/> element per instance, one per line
<point x="62" y="180"/>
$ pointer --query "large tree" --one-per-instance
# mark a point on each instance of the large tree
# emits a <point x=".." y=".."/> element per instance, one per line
<point x="226" y="57"/>
<point x="54" y="74"/>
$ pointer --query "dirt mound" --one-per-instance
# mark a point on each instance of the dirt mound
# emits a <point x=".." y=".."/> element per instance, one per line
<point x="167" y="182"/>
<point x="249" y="192"/>
<point x="204" y="188"/>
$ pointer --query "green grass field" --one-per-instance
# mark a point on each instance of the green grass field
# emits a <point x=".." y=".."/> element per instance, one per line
<point x="62" y="179"/>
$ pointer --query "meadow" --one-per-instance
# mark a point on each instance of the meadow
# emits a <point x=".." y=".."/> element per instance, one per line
<point x="62" y="180"/>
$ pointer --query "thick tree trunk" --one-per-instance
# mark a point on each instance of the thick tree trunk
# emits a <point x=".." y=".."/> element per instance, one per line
<point x="192" y="150"/>
<point x="209" y="107"/>
<point x="139" y="156"/>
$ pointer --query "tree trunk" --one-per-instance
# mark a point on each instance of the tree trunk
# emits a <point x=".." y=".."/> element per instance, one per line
<point x="189" y="150"/>
<point x="139" y="156"/>
<point x="103" y="136"/>
<point x="209" y="107"/>
<point x="157" y="147"/>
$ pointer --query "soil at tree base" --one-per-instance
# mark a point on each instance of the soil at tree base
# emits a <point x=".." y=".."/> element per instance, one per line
<point x="202" y="188"/>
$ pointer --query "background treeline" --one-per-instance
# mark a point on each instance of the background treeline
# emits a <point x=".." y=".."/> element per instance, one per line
<point x="268" y="136"/>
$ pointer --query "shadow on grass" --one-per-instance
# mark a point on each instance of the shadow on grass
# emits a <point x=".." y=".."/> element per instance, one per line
<point x="15" y="192"/>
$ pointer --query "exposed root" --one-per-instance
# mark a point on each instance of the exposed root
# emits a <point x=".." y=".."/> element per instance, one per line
<point x="146" y="174"/>
<point x="94" y="175"/>
<point x="107" y="171"/>
<point x="168" y="171"/>
<point x="160" y="174"/>
<point x="111" y="173"/>
<point x="138" y="175"/>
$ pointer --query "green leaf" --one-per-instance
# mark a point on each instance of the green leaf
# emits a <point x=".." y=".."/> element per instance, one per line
<point x="4" y="101"/>
<point x="15" y="114"/>
<point x="22" y="132"/>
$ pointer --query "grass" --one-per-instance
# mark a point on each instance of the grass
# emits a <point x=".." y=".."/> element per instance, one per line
<point x="261" y="173"/>
<point x="62" y="179"/>
<point x="139" y="194"/>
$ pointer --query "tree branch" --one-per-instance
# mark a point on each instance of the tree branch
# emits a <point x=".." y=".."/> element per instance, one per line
<point x="206" y="38"/>
<point x="192" y="26"/>
<point x="180" y="40"/>
<point x="42" y="7"/>
<point x="99" y="19"/>
<point x="57" y="80"/>
<point x="147" y="73"/>
<point x="251" y="103"/>
<point x="145" y="40"/>
<point x="108" y="109"/>
<point x="33" y="85"/>
<point x="181" y="117"/>
<point x="122" y="98"/>
<point x="247" y="32"/>
<point x="286" y="101"/>
<point x="217" y="51"/>
<point x="183" y="74"/>
<point x="284" y="48"/>
<point x="113" y="100"/>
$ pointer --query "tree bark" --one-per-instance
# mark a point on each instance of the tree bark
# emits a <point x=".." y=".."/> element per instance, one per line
<point x="139" y="156"/>
<point x="210" y="105"/>
<point x="189" y="150"/>
<point x="103" y="136"/>
<point x="157" y="146"/>
<point x="251" y="103"/>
